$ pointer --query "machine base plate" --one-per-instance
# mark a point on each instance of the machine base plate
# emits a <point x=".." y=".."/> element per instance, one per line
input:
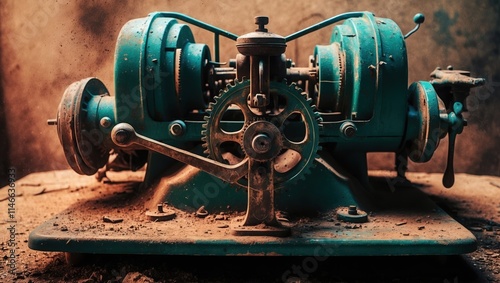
<point x="400" y="222"/>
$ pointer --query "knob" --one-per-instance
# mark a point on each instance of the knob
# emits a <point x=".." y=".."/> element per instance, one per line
<point x="261" y="21"/>
<point x="417" y="19"/>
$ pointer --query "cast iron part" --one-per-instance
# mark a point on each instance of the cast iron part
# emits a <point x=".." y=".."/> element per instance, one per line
<point x="260" y="129"/>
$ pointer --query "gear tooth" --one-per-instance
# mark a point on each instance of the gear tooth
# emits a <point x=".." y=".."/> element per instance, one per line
<point x="208" y="111"/>
<point x="204" y="139"/>
<point x="204" y="126"/>
<point x="211" y="105"/>
<point x="303" y="175"/>
<point x="207" y="152"/>
<point x="206" y="118"/>
<point x="204" y="132"/>
<point x="314" y="164"/>
<point x="216" y="98"/>
<point x="204" y="145"/>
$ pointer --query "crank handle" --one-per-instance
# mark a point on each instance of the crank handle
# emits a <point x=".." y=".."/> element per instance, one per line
<point x="456" y="126"/>
<point x="418" y="19"/>
<point x="124" y="135"/>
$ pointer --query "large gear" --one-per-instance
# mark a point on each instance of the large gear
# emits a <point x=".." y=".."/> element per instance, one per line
<point x="292" y="114"/>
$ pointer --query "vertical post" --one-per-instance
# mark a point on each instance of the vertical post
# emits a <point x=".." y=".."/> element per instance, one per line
<point x="216" y="46"/>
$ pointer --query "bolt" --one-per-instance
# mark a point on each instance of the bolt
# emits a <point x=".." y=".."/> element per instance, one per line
<point x="261" y="143"/>
<point x="259" y="100"/>
<point x="105" y="122"/>
<point x="348" y="129"/>
<point x="261" y="21"/>
<point x="353" y="210"/>
<point x="176" y="129"/>
<point x="160" y="207"/>
<point x="122" y="136"/>
<point x="52" y="122"/>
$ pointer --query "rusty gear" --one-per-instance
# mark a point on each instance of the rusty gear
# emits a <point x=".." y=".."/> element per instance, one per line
<point x="295" y="157"/>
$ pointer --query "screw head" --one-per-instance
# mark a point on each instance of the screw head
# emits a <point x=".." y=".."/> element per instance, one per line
<point x="353" y="210"/>
<point x="105" y="122"/>
<point x="176" y="129"/>
<point x="261" y="143"/>
<point x="348" y="129"/>
<point x="122" y="136"/>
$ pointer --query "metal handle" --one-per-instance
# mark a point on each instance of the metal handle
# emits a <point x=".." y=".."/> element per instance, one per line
<point x="456" y="127"/>
<point x="124" y="135"/>
<point x="417" y="19"/>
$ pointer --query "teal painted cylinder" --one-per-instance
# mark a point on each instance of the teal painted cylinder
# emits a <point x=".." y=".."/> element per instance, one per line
<point x="156" y="61"/>
<point x="363" y="78"/>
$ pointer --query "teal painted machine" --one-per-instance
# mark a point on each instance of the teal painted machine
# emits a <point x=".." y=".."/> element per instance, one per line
<point x="272" y="153"/>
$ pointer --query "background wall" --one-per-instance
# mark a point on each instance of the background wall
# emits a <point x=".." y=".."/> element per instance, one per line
<point x="46" y="45"/>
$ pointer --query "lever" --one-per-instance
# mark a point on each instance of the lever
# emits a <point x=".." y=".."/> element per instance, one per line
<point x="417" y="19"/>
<point x="456" y="126"/>
<point x="124" y="135"/>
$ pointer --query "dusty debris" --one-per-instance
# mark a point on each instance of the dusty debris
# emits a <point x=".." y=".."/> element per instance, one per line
<point x="495" y="184"/>
<point x="136" y="277"/>
<point x="353" y="226"/>
<point x="401" y="223"/>
<point x="40" y="192"/>
<point x="6" y="198"/>
<point x="202" y="212"/>
<point x="45" y="190"/>
<point x="108" y="219"/>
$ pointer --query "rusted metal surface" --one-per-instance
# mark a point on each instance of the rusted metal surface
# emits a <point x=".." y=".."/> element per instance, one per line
<point x="124" y="135"/>
<point x="392" y="229"/>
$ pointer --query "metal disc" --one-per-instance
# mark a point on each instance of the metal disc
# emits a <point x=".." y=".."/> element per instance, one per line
<point x="81" y="142"/>
<point x="423" y="97"/>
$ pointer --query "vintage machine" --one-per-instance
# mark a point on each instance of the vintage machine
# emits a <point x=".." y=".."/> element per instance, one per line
<point x="257" y="156"/>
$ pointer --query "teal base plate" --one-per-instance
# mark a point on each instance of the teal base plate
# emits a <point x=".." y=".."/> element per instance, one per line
<point x="400" y="222"/>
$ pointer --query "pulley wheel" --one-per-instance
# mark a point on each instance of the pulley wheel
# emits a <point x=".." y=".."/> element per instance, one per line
<point x="81" y="140"/>
<point x="424" y="99"/>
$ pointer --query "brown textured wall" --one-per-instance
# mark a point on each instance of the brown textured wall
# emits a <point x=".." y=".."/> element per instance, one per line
<point x="46" y="45"/>
<point x="3" y="126"/>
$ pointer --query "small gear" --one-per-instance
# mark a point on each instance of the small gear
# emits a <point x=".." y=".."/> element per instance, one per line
<point x="292" y="120"/>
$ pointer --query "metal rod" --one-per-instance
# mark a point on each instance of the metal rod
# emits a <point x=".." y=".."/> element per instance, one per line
<point x="216" y="46"/>
<point x="412" y="31"/>
<point x="198" y="23"/>
<point x="323" y="24"/>
<point x="52" y="122"/>
<point x="125" y="136"/>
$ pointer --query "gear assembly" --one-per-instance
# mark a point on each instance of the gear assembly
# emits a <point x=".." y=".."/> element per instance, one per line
<point x="284" y="146"/>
